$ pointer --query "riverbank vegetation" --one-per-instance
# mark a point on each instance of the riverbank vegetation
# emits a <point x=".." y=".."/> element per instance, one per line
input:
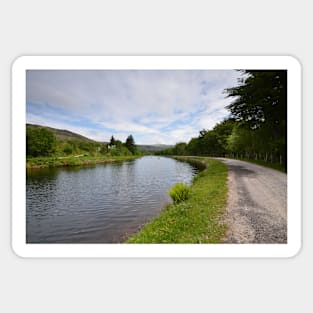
<point x="49" y="147"/>
<point x="275" y="166"/>
<point x="179" y="192"/>
<point x="198" y="219"/>
<point x="257" y="127"/>
<point x="44" y="162"/>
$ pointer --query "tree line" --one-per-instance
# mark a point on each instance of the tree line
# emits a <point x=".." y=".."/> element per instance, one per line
<point x="257" y="126"/>
<point x="117" y="148"/>
<point x="41" y="142"/>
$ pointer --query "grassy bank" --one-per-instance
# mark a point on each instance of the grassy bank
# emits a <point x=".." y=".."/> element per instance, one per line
<point x="275" y="166"/>
<point x="44" y="162"/>
<point x="196" y="220"/>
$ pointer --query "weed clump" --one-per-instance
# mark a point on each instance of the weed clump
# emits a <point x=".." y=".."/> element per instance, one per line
<point x="179" y="192"/>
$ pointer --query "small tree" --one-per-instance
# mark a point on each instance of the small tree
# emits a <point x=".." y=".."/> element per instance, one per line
<point x="68" y="148"/>
<point x="104" y="149"/>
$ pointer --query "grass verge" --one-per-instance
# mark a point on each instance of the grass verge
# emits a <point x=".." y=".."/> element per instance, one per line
<point x="44" y="162"/>
<point x="196" y="220"/>
<point x="276" y="166"/>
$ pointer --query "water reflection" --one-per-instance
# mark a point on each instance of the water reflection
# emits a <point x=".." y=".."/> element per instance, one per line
<point x="100" y="203"/>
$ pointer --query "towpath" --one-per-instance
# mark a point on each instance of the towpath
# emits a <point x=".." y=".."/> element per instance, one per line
<point x="257" y="204"/>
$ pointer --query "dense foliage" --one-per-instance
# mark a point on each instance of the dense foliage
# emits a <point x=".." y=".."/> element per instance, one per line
<point x="117" y="148"/>
<point x="260" y="110"/>
<point x="130" y="144"/>
<point x="42" y="142"/>
<point x="209" y="142"/>
<point x="39" y="142"/>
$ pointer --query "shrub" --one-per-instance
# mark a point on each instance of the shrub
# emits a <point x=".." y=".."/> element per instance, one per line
<point x="119" y="151"/>
<point x="39" y="142"/>
<point x="179" y="192"/>
<point x="68" y="149"/>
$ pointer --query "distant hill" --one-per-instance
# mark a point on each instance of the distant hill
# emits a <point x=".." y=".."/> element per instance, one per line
<point x="154" y="148"/>
<point x="66" y="135"/>
<point x="63" y="134"/>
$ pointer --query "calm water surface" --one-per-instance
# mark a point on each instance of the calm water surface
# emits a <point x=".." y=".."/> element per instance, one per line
<point x="100" y="204"/>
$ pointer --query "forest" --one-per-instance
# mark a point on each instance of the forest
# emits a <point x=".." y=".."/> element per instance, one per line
<point x="256" y="128"/>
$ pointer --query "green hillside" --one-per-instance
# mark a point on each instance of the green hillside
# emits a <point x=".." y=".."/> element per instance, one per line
<point x="43" y="141"/>
<point x="62" y="134"/>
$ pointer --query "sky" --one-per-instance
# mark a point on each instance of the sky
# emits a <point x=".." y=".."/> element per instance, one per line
<point x="155" y="106"/>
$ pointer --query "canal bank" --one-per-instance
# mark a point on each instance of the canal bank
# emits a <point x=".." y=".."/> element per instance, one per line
<point x="46" y="162"/>
<point x="196" y="220"/>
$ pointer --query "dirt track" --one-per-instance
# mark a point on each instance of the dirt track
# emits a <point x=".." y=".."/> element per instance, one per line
<point x="257" y="204"/>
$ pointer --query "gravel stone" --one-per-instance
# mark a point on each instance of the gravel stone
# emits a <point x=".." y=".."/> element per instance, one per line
<point x="257" y="204"/>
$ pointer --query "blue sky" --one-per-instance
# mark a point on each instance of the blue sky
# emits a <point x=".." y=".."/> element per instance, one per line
<point x="155" y="106"/>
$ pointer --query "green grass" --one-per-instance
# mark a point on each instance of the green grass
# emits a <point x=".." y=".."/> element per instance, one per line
<point x="276" y="166"/>
<point x="179" y="192"/>
<point x="44" y="162"/>
<point x="196" y="220"/>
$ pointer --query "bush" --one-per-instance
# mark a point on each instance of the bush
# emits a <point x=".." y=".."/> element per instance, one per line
<point x="68" y="149"/>
<point x="119" y="151"/>
<point x="39" y="142"/>
<point x="179" y="192"/>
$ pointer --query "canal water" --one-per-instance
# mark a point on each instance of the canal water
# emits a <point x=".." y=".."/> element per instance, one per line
<point x="100" y="204"/>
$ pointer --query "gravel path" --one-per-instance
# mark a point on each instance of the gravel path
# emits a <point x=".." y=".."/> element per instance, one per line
<point x="257" y="204"/>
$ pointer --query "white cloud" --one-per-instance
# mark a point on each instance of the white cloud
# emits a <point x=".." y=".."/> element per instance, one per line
<point x="183" y="134"/>
<point x="84" y="131"/>
<point x="144" y="103"/>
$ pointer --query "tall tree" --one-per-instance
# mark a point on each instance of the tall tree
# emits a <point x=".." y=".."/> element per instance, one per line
<point x="112" y="141"/>
<point x="260" y="104"/>
<point x="222" y="132"/>
<point x="261" y="99"/>
<point x="180" y="148"/>
<point x="130" y="144"/>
